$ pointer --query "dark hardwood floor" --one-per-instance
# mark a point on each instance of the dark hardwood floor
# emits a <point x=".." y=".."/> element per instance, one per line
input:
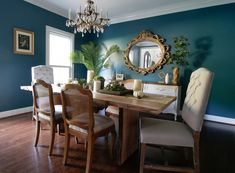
<point x="17" y="154"/>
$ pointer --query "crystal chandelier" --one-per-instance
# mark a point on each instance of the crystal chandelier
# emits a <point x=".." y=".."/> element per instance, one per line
<point x="89" y="20"/>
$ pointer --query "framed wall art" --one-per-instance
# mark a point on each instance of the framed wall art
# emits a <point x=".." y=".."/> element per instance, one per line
<point x="23" y="42"/>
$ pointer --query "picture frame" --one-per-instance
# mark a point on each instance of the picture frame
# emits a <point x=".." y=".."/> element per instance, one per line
<point x="23" y="41"/>
<point x="119" y="76"/>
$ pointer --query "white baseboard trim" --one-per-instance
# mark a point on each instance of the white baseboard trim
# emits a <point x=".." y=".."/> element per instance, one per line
<point x="15" y="112"/>
<point x="220" y="119"/>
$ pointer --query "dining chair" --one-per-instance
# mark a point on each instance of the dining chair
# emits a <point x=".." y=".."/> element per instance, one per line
<point x="81" y="121"/>
<point x="112" y="111"/>
<point x="46" y="111"/>
<point x="181" y="134"/>
<point x="43" y="72"/>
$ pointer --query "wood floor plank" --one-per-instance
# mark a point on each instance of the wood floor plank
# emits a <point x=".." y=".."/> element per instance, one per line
<point x="17" y="154"/>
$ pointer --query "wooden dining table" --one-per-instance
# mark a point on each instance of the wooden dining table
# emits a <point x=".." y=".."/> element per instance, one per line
<point x="129" y="115"/>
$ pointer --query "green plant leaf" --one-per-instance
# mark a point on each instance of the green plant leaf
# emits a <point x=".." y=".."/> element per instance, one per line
<point x="107" y="62"/>
<point x="91" y="56"/>
<point x="180" y="51"/>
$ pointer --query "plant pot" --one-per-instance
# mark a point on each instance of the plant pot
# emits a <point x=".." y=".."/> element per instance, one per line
<point x="175" y="79"/>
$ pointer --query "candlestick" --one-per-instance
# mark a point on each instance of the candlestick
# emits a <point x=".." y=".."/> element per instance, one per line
<point x="137" y="85"/>
<point x="97" y="85"/>
<point x="90" y="75"/>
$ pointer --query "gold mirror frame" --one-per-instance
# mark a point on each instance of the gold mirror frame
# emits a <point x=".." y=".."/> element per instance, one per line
<point x="147" y="36"/>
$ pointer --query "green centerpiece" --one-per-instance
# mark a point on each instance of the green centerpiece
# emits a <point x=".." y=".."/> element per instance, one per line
<point x="115" y="88"/>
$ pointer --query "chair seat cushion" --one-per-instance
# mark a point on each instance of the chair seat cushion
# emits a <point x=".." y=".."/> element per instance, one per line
<point x="58" y="113"/>
<point x="112" y="110"/>
<point x="164" y="132"/>
<point x="101" y="123"/>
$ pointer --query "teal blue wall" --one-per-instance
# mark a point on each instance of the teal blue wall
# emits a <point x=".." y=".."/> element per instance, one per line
<point x="15" y="70"/>
<point x="211" y="32"/>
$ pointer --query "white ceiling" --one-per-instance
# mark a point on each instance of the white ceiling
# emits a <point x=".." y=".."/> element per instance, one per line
<point x="126" y="10"/>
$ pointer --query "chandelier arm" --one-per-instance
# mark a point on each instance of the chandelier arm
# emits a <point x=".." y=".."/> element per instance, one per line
<point x="88" y="20"/>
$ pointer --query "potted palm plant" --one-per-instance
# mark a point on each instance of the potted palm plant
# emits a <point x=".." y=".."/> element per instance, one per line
<point x="179" y="55"/>
<point x="92" y="56"/>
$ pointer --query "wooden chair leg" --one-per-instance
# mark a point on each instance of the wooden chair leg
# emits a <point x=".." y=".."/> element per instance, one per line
<point x="114" y="135"/>
<point x="163" y="154"/>
<point x="53" y="128"/>
<point x="142" y="157"/>
<point x="196" y="159"/>
<point x="66" y="147"/>
<point x="85" y="145"/>
<point x="91" y="142"/>
<point x="107" y="115"/>
<point x="37" y="132"/>
<point x="61" y="128"/>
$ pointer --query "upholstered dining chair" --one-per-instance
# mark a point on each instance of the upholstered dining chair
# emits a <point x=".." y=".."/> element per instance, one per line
<point x="81" y="121"/>
<point x="112" y="111"/>
<point x="45" y="73"/>
<point x="181" y="134"/>
<point x="45" y="110"/>
<point x="42" y="72"/>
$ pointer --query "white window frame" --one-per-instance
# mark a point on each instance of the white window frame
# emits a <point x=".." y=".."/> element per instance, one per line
<point x="59" y="32"/>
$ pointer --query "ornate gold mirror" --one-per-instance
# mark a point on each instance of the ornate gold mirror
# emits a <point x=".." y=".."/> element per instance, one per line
<point x="146" y="53"/>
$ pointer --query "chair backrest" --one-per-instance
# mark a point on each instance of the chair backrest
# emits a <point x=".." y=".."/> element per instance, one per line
<point x="196" y="99"/>
<point x="43" y="98"/>
<point x="77" y="105"/>
<point x="128" y="83"/>
<point x="43" y="72"/>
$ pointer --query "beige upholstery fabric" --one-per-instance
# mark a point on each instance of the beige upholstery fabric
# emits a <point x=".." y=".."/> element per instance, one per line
<point x="58" y="113"/>
<point x="113" y="110"/>
<point x="43" y="72"/>
<point x="101" y="123"/>
<point x="163" y="132"/>
<point x="197" y="95"/>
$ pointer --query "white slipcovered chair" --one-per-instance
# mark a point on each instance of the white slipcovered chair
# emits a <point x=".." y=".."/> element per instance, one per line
<point x="181" y="134"/>
<point x="43" y="72"/>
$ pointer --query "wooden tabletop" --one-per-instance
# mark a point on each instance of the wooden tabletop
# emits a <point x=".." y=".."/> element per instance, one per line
<point x="150" y="103"/>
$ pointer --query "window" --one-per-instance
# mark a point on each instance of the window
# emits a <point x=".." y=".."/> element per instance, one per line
<point x="59" y="45"/>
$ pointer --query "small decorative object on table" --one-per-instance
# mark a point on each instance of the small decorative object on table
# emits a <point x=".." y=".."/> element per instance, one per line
<point x="96" y="85"/>
<point x="101" y="79"/>
<point x="137" y="88"/>
<point x="138" y="94"/>
<point x="90" y="75"/>
<point x="137" y="85"/>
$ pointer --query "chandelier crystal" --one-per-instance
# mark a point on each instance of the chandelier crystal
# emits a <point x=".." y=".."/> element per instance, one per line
<point x="90" y="20"/>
